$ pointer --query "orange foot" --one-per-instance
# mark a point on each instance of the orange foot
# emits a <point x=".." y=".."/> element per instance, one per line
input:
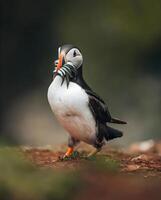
<point x="69" y="152"/>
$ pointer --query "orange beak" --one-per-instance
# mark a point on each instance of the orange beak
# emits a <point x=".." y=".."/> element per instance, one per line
<point x="60" y="62"/>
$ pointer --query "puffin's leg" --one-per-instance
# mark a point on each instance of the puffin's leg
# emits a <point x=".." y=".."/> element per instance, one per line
<point x="94" y="152"/>
<point x="68" y="152"/>
<point x="98" y="142"/>
<point x="72" y="142"/>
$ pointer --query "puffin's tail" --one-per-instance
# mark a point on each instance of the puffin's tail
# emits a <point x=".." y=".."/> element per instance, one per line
<point x="112" y="133"/>
<point x="117" y="121"/>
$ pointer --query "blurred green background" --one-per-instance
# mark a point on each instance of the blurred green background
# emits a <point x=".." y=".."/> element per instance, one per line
<point x="121" y="45"/>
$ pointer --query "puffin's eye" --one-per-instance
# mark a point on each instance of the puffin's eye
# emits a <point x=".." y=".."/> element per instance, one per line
<point x="74" y="54"/>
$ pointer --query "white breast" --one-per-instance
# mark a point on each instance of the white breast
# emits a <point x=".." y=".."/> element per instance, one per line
<point x="70" y="106"/>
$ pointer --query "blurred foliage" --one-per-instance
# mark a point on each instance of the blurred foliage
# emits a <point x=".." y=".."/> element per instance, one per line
<point x="104" y="164"/>
<point x="19" y="179"/>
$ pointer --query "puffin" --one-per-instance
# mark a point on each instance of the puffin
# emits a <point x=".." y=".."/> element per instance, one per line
<point x="78" y="109"/>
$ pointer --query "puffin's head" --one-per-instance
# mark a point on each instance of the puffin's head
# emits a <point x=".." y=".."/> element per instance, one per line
<point x="69" y="54"/>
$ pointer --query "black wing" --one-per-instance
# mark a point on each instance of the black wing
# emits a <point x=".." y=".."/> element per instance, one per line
<point x="98" y="107"/>
<point x="96" y="104"/>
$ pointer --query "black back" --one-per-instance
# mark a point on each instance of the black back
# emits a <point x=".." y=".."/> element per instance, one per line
<point x="96" y="104"/>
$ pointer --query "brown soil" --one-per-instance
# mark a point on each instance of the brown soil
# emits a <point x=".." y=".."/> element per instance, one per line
<point x="138" y="177"/>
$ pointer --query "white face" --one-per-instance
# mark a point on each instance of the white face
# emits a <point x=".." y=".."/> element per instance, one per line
<point x="75" y="57"/>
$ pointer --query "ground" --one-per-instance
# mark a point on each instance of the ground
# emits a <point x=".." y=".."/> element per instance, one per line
<point x="30" y="173"/>
<point x="134" y="172"/>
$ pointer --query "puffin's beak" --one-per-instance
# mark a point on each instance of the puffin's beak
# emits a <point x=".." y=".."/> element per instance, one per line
<point x="60" y="62"/>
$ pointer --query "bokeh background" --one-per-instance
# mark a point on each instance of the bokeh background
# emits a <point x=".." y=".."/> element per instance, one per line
<point x="121" y="45"/>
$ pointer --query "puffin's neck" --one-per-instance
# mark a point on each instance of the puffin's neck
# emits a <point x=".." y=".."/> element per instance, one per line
<point x="80" y="72"/>
<point x="80" y="80"/>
